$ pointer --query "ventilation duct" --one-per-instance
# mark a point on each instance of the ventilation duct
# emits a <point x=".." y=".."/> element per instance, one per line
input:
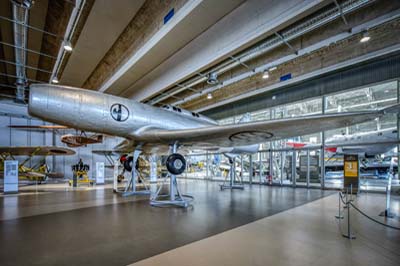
<point x="20" y="15"/>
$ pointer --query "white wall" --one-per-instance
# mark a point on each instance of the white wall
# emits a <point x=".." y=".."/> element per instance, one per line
<point x="18" y="137"/>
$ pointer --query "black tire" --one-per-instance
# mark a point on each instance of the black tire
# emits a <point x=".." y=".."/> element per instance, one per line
<point x="176" y="164"/>
<point x="120" y="178"/>
<point x="128" y="164"/>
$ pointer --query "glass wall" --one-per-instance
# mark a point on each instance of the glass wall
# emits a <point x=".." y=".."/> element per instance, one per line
<point x="298" y="161"/>
<point x="375" y="157"/>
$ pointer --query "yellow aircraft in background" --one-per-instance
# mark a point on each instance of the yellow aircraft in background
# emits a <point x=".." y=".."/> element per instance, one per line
<point x="38" y="173"/>
<point x="72" y="140"/>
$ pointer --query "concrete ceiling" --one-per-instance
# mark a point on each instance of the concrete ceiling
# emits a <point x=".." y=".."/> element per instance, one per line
<point x="245" y="25"/>
<point x="103" y="26"/>
<point x="192" y="20"/>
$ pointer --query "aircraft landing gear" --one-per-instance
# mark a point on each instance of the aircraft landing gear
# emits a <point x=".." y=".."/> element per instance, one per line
<point x="130" y="188"/>
<point x="176" y="164"/>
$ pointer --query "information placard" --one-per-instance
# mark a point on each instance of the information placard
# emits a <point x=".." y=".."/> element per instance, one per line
<point x="10" y="176"/>
<point x="351" y="172"/>
<point x="99" y="173"/>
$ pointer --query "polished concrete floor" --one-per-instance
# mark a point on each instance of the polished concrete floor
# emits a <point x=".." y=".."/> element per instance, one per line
<point x="97" y="227"/>
<point x="305" y="235"/>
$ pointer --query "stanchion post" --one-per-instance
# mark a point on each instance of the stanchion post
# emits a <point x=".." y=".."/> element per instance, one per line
<point x="351" y="192"/>
<point x="339" y="216"/>
<point x="349" y="235"/>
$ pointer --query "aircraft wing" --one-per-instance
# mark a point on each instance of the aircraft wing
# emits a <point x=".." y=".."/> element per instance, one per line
<point x="36" y="151"/>
<point x="257" y="132"/>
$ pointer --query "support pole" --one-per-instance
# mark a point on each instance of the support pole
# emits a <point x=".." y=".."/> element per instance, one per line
<point x="282" y="166"/>
<point x="260" y="166"/>
<point x="233" y="184"/>
<point x="294" y="168"/>
<point x="324" y="100"/>
<point x="251" y="169"/>
<point x="387" y="213"/>
<point x="271" y="166"/>
<point x="172" y="179"/>
<point x="339" y="216"/>
<point x="349" y="235"/>
<point x="308" y="169"/>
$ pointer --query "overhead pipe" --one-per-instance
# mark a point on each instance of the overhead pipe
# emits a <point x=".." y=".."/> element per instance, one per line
<point x="355" y="31"/>
<point x="20" y="15"/>
<point x="271" y="43"/>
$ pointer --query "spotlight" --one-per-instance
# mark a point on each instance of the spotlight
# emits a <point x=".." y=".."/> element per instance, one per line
<point x="365" y="37"/>
<point x="212" y="78"/>
<point x="209" y="96"/>
<point x="67" y="46"/>
<point x="54" y="80"/>
<point x="265" y="75"/>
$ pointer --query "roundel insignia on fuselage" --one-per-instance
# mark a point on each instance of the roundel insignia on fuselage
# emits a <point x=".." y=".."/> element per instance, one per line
<point x="119" y="112"/>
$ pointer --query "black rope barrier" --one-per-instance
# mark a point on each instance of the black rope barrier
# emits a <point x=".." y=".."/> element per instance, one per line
<point x="364" y="214"/>
<point x="372" y="219"/>
<point x="341" y="198"/>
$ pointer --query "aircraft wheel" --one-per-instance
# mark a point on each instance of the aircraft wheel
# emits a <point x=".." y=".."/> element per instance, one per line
<point x="176" y="164"/>
<point x="128" y="164"/>
<point x="120" y="178"/>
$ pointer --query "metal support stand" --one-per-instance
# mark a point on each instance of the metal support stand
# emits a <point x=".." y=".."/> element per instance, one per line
<point x="174" y="198"/>
<point x="234" y="181"/>
<point x="130" y="188"/>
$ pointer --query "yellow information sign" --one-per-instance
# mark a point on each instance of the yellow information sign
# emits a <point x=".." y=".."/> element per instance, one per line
<point x="351" y="169"/>
<point x="351" y="172"/>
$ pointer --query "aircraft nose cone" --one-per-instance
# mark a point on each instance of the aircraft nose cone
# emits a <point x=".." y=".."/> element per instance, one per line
<point x="37" y="98"/>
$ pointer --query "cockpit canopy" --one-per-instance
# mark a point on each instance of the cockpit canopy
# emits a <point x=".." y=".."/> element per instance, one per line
<point x="188" y="113"/>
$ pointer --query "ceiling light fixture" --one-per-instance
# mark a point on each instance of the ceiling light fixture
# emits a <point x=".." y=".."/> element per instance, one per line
<point x="54" y="80"/>
<point x="68" y="46"/>
<point x="365" y="37"/>
<point x="209" y="96"/>
<point x="272" y="68"/>
<point x="265" y="75"/>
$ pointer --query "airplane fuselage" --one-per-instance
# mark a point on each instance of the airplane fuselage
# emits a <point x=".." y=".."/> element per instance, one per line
<point x="381" y="138"/>
<point x="103" y="113"/>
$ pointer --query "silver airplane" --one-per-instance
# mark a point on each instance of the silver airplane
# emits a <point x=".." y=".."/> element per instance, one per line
<point x="165" y="130"/>
<point x="365" y="144"/>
